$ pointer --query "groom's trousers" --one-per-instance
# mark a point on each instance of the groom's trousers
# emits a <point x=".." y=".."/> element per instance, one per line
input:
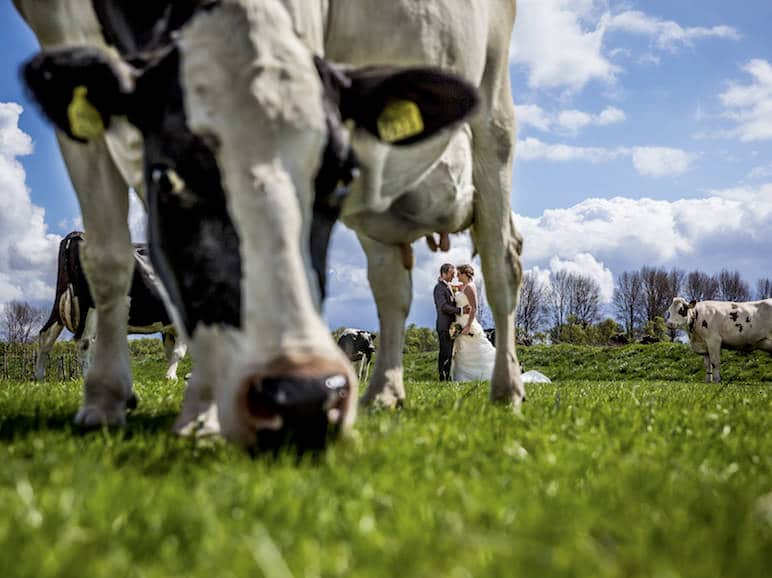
<point x="446" y="352"/>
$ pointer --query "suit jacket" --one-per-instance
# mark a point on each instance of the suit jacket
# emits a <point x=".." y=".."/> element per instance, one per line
<point x="446" y="307"/>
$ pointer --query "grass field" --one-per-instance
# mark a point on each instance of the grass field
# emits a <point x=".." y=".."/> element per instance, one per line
<point x="596" y="478"/>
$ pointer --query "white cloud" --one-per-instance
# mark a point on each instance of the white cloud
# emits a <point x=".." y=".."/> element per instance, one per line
<point x="572" y="61"/>
<point x="661" y="161"/>
<point x="531" y="148"/>
<point x="27" y="250"/>
<point x="587" y="265"/>
<point x="760" y="172"/>
<point x="570" y="120"/>
<point x="647" y="161"/>
<point x="749" y="106"/>
<point x="610" y="115"/>
<point x="561" y="42"/>
<point x="533" y="115"/>
<point x="729" y="228"/>
<point x="667" y="35"/>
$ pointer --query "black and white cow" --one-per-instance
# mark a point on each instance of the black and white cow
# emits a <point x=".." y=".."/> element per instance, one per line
<point x="359" y="346"/>
<point x="246" y="130"/>
<point x="73" y="308"/>
<point x="713" y="325"/>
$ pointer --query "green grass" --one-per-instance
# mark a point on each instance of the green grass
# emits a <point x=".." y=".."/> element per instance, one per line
<point x="596" y="478"/>
<point x="660" y="361"/>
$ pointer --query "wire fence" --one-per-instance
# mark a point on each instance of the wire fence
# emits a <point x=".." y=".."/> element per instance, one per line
<point x="18" y="362"/>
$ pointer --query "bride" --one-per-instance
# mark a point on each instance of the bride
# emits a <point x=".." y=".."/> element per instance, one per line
<point x="473" y="354"/>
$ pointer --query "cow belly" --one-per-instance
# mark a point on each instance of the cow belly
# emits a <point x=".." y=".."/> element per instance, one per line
<point x="439" y="202"/>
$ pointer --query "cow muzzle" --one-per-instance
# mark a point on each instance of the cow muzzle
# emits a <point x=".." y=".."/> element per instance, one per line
<point x="298" y="412"/>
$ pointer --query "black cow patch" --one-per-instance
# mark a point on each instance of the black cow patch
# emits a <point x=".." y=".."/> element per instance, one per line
<point x="748" y="319"/>
<point x="739" y="327"/>
<point x="733" y="315"/>
<point x="682" y="310"/>
<point x="704" y="324"/>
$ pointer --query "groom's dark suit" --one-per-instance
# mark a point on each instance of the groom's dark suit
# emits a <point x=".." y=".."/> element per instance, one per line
<point x="446" y="314"/>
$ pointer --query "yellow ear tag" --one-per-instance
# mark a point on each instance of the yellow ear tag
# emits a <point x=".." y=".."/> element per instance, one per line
<point x="399" y="120"/>
<point x="85" y="120"/>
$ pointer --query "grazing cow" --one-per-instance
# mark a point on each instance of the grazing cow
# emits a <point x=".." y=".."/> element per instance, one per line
<point x="247" y="130"/>
<point x="359" y="346"/>
<point x="712" y="325"/>
<point x="74" y="308"/>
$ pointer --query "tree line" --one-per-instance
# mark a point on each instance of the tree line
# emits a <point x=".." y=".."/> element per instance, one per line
<point x="567" y="307"/>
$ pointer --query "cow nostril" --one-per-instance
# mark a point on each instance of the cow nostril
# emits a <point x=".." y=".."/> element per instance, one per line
<point x="297" y="411"/>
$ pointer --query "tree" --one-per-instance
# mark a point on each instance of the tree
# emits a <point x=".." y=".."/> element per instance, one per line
<point x="532" y="305"/>
<point x="559" y="297"/>
<point x="731" y="286"/>
<point x="20" y="322"/>
<point x="585" y="300"/>
<point x="573" y="300"/>
<point x="764" y="289"/>
<point x="658" y="292"/>
<point x="700" y="287"/>
<point x="628" y="299"/>
<point x="420" y="339"/>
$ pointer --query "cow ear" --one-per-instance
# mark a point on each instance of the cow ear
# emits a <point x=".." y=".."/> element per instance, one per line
<point x="408" y="105"/>
<point x="78" y="89"/>
<point x="692" y="303"/>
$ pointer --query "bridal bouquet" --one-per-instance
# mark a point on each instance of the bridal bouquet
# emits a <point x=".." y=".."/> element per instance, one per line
<point x="456" y="329"/>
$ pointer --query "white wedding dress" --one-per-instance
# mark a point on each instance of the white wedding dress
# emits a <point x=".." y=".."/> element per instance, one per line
<point x="473" y="355"/>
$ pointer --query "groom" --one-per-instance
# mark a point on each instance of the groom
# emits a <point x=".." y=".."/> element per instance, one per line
<point x="446" y="314"/>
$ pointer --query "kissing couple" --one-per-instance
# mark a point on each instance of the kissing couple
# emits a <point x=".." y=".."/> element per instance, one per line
<point x="465" y="352"/>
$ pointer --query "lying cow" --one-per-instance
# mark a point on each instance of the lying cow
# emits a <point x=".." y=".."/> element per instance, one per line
<point x="74" y="308"/>
<point x="712" y="325"/>
<point x="247" y="130"/>
<point x="359" y="346"/>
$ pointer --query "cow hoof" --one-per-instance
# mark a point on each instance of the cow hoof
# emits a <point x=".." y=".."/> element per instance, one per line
<point x="93" y="417"/>
<point x="204" y="424"/>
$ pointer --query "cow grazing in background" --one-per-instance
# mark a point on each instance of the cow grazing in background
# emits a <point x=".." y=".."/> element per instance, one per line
<point x="359" y="346"/>
<point x="712" y="325"/>
<point x="248" y="123"/>
<point x="73" y="308"/>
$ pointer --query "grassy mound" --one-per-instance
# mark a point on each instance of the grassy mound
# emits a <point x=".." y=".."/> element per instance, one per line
<point x="659" y="361"/>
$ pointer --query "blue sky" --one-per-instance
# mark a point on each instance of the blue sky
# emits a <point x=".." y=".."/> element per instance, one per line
<point x="644" y="137"/>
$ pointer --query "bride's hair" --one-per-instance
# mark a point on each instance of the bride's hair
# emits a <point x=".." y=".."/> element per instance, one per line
<point x="467" y="270"/>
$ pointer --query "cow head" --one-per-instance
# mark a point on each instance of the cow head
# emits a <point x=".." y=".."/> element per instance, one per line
<point x="246" y="136"/>
<point x="679" y="314"/>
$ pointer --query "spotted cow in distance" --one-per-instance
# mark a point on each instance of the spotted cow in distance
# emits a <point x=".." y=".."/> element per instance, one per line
<point x="713" y="325"/>
<point x="73" y="308"/>
<point x="359" y="346"/>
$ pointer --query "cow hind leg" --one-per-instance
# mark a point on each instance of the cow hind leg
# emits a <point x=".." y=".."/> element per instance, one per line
<point x="48" y="336"/>
<point x="108" y="264"/>
<point x="175" y="349"/>
<point x="493" y="230"/>
<point x="392" y="287"/>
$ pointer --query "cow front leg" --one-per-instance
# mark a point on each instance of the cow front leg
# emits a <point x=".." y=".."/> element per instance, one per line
<point x="392" y="288"/>
<point x="714" y="352"/>
<point x="708" y="368"/>
<point x="108" y="264"/>
<point x="493" y="231"/>
<point x="46" y="339"/>
<point x="175" y="349"/>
